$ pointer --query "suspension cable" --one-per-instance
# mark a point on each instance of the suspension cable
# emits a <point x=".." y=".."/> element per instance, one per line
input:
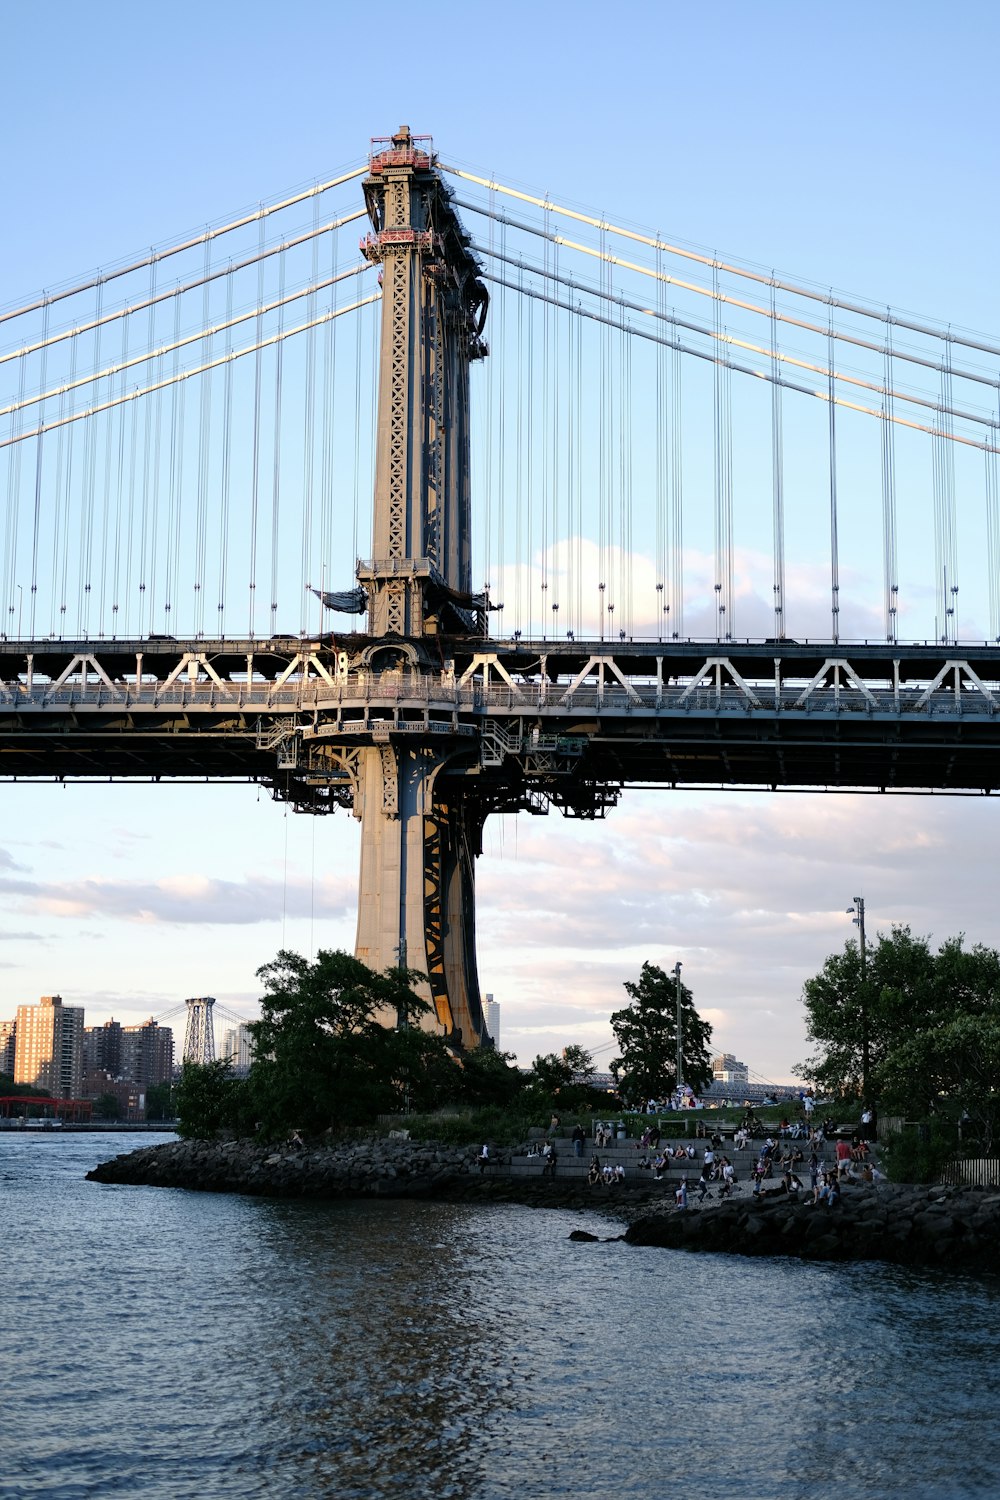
<point x="203" y="334"/>
<point x="909" y="356"/>
<point x="229" y="269"/>
<point x="182" y="375"/>
<point x="156" y="256"/>
<point x="731" y="269"/>
<point x="770" y="353"/>
<point x="711" y="357"/>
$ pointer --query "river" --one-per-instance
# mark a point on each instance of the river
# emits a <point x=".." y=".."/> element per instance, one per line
<point x="166" y="1345"/>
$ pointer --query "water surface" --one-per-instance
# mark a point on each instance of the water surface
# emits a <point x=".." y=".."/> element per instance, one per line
<point x="164" y="1345"/>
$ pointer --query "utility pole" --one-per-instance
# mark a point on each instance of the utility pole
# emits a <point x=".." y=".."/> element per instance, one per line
<point x="857" y="913"/>
<point x="680" y="1043"/>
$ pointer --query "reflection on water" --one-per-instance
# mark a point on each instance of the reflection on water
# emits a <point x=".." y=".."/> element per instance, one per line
<point x="166" y="1344"/>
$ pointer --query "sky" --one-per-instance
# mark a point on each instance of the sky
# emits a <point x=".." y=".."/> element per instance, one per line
<point x="851" y="145"/>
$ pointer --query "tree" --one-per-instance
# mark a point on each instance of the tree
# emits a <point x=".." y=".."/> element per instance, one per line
<point x="550" y="1075"/>
<point x="908" y="992"/>
<point x="210" y="1099"/>
<point x="335" y="1045"/>
<point x="646" y="1032"/>
<point x="160" y="1101"/>
<point x="581" y="1062"/>
<point x="108" y="1107"/>
<point x="487" y="1077"/>
<point x="958" y="1062"/>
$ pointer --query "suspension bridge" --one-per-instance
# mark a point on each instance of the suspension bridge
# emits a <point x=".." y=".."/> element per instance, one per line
<point x="635" y="514"/>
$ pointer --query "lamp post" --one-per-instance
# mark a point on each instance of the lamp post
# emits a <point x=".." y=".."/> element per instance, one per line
<point x="680" y="1045"/>
<point x="857" y="913"/>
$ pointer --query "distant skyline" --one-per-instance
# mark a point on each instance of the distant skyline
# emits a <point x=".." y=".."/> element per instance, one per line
<point x="854" y="147"/>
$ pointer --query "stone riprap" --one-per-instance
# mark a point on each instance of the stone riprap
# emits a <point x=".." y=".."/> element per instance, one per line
<point x="953" y="1227"/>
<point x="374" y="1167"/>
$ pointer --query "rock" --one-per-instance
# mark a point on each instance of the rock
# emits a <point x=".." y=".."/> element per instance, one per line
<point x="582" y="1237"/>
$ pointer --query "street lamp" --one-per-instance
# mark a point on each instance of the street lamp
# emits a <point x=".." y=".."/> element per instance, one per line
<point x="857" y="914"/>
<point x="680" y="1047"/>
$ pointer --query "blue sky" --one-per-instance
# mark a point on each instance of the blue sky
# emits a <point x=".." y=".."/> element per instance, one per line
<point x="853" y="146"/>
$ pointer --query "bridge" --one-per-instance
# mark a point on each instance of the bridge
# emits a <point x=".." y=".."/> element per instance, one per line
<point x="763" y="553"/>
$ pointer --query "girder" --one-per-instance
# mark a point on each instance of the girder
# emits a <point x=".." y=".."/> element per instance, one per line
<point x="507" y="714"/>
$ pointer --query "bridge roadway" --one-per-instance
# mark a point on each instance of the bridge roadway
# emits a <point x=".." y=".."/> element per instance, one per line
<point x="522" y="724"/>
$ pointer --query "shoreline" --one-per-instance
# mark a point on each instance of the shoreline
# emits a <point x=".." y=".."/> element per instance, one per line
<point x="952" y="1228"/>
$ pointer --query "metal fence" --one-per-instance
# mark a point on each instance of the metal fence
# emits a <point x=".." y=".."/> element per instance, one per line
<point x="976" y="1171"/>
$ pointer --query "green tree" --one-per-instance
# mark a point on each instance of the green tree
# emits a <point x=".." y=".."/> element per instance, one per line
<point x="108" y="1107"/>
<point x="160" y="1102"/>
<point x="908" y="991"/>
<point x="210" y="1100"/>
<point x="487" y="1078"/>
<point x="581" y="1062"/>
<point x="336" y="1046"/>
<point x="956" y="1066"/>
<point x="550" y="1075"/>
<point x="646" y="1032"/>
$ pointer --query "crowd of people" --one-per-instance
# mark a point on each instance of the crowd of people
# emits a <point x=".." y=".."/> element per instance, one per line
<point x="794" y="1154"/>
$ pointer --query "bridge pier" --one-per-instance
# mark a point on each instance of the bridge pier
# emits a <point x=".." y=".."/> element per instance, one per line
<point x="416" y="902"/>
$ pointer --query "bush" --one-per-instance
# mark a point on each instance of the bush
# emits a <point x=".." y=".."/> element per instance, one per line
<point x="919" y="1153"/>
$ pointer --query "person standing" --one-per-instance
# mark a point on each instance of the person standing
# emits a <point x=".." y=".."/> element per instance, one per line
<point x="578" y="1139"/>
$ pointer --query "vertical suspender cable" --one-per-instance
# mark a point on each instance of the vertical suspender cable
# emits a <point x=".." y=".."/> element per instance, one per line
<point x="556" y="393"/>
<point x="112" y="423"/>
<point x="717" y="461"/>
<point x="530" y="472"/>
<point x="126" y="420"/>
<point x="359" y="332"/>
<point x="993" y="532"/>
<point x="626" y="442"/>
<point x="543" y="504"/>
<point x="777" y="483"/>
<point x="279" y="365"/>
<point x="130" y="529"/>
<point x="492" y="380"/>
<point x="834" y="542"/>
<point x="152" y="593"/>
<point x="604" y="441"/>
<point x="88" y="487"/>
<point x="57" y="502"/>
<point x="662" y="430"/>
<point x="204" y="452"/>
<point x="949" y="527"/>
<point x="889" y="563"/>
<point x="521" y="550"/>
<point x="730" y="539"/>
<point x="226" y="475"/>
<point x="151" y="407"/>
<point x="255" y="475"/>
<point x="13" y="506"/>
<point x="501" y="348"/>
<point x="63" y="590"/>
<point x="36" y="520"/>
<point x="309" y="430"/>
<point x="677" y="495"/>
<point x="175" y="508"/>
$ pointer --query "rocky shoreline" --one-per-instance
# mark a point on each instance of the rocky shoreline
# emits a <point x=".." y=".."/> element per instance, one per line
<point x="953" y="1227"/>
<point x="372" y="1168"/>
<point x="956" y="1228"/>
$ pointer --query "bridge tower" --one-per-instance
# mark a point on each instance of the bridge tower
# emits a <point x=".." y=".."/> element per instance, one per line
<point x="199" y="1033"/>
<point x="420" y="834"/>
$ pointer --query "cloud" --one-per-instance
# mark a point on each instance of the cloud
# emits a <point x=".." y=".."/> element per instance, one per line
<point x="749" y="892"/>
<point x="183" y="899"/>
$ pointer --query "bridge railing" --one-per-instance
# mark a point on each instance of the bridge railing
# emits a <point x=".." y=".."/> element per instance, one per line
<point x="548" y="698"/>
